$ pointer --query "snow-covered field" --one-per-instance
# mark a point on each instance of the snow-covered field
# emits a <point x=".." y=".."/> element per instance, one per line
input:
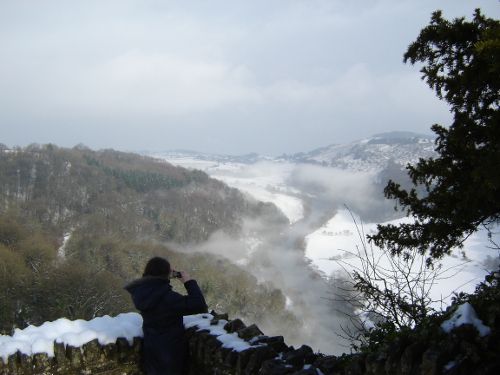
<point x="267" y="184"/>
<point x="338" y="246"/>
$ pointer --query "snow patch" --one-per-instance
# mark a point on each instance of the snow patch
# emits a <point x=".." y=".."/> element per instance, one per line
<point x="229" y="340"/>
<point x="106" y="330"/>
<point x="61" y="252"/>
<point x="465" y="314"/>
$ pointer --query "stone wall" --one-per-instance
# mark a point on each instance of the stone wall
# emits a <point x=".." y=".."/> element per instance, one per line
<point x="462" y="352"/>
<point x="265" y="355"/>
<point x="91" y="358"/>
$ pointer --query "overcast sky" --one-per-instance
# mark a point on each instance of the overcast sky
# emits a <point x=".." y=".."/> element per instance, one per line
<point x="230" y="77"/>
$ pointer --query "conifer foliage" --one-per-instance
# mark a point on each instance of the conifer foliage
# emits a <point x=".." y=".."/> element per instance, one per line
<point x="460" y="62"/>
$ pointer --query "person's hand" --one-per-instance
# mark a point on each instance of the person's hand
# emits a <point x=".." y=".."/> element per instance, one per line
<point x="185" y="277"/>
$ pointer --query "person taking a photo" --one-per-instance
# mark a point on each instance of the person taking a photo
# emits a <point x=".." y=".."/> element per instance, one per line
<point x="162" y="311"/>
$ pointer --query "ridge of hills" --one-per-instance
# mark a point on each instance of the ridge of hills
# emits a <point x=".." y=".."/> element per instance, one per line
<point x="372" y="154"/>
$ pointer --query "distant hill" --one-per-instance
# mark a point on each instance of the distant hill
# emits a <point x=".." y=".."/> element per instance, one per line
<point x="402" y="135"/>
<point x="373" y="154"/>
<point x="251" y="158"/>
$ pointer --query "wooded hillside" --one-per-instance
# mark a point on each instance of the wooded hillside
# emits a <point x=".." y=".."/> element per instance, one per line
<point x="76" y="224"/>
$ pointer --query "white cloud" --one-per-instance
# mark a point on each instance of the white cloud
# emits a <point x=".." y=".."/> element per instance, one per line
<point x="248" y="71"/>
<point x="166" y="84"/>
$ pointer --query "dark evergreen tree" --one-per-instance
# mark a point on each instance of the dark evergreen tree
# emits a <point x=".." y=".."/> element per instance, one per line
<point x="460" y="62"/>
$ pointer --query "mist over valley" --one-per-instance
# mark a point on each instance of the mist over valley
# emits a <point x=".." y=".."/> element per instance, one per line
<point x="332" y="198"/>
<point x="270" y="239"/>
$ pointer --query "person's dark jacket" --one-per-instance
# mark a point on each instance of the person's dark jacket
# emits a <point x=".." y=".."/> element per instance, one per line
<point x="162" y="310"/>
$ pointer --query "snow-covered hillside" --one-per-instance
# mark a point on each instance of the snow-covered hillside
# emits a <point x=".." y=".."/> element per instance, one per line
<point x="339" y="245"/>
<point x="373" y="154"/>
<point x="368" y="156"/>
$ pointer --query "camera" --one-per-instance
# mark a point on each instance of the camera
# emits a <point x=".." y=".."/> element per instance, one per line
<point x="176" y="274"/>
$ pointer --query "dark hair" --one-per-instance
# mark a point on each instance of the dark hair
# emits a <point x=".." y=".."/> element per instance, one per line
<point x="157" y="266"/>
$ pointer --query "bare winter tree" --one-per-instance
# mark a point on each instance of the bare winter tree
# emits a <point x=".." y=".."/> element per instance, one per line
<point x="384" y="288"/>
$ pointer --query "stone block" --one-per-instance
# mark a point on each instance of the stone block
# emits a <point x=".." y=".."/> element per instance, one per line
<point x="110" y="352"/>
<point x="219" y="357"/>
<point x="327" y="364"/>
<point x="60" y="359"/>
<point x="393" y="364"/>
<point x="189" y="333"/>
<point x="374" y="364"/>
<point x="275" y="367"/>
<point x="243" y="359"/>
<point x="74" y="356"/>
<point x="136" y="350"/>
<point x="42" y="363"/>
<point x="92" y="352"/>
<point x="249" y="332"/>
<point x="297" y="358"/>
<point x="234" y="325"/>
<point x="258" y="356"/>
<point x="25" y="363"/>
<point x="275" y="342"/>
<point x="433" y="361"/>
<point x="124" y="350"/>
<point x="232" y="359"/>
<point x="210" y="345"/>
<point x="356" y="366"/>
<point x="199" y="345"/>
<point x="308" y="354"/>
<point x="13" y="364"/>
<point x="217" y="318"/>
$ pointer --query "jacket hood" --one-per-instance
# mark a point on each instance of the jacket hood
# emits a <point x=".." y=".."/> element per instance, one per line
<point x="148" y="291"/>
